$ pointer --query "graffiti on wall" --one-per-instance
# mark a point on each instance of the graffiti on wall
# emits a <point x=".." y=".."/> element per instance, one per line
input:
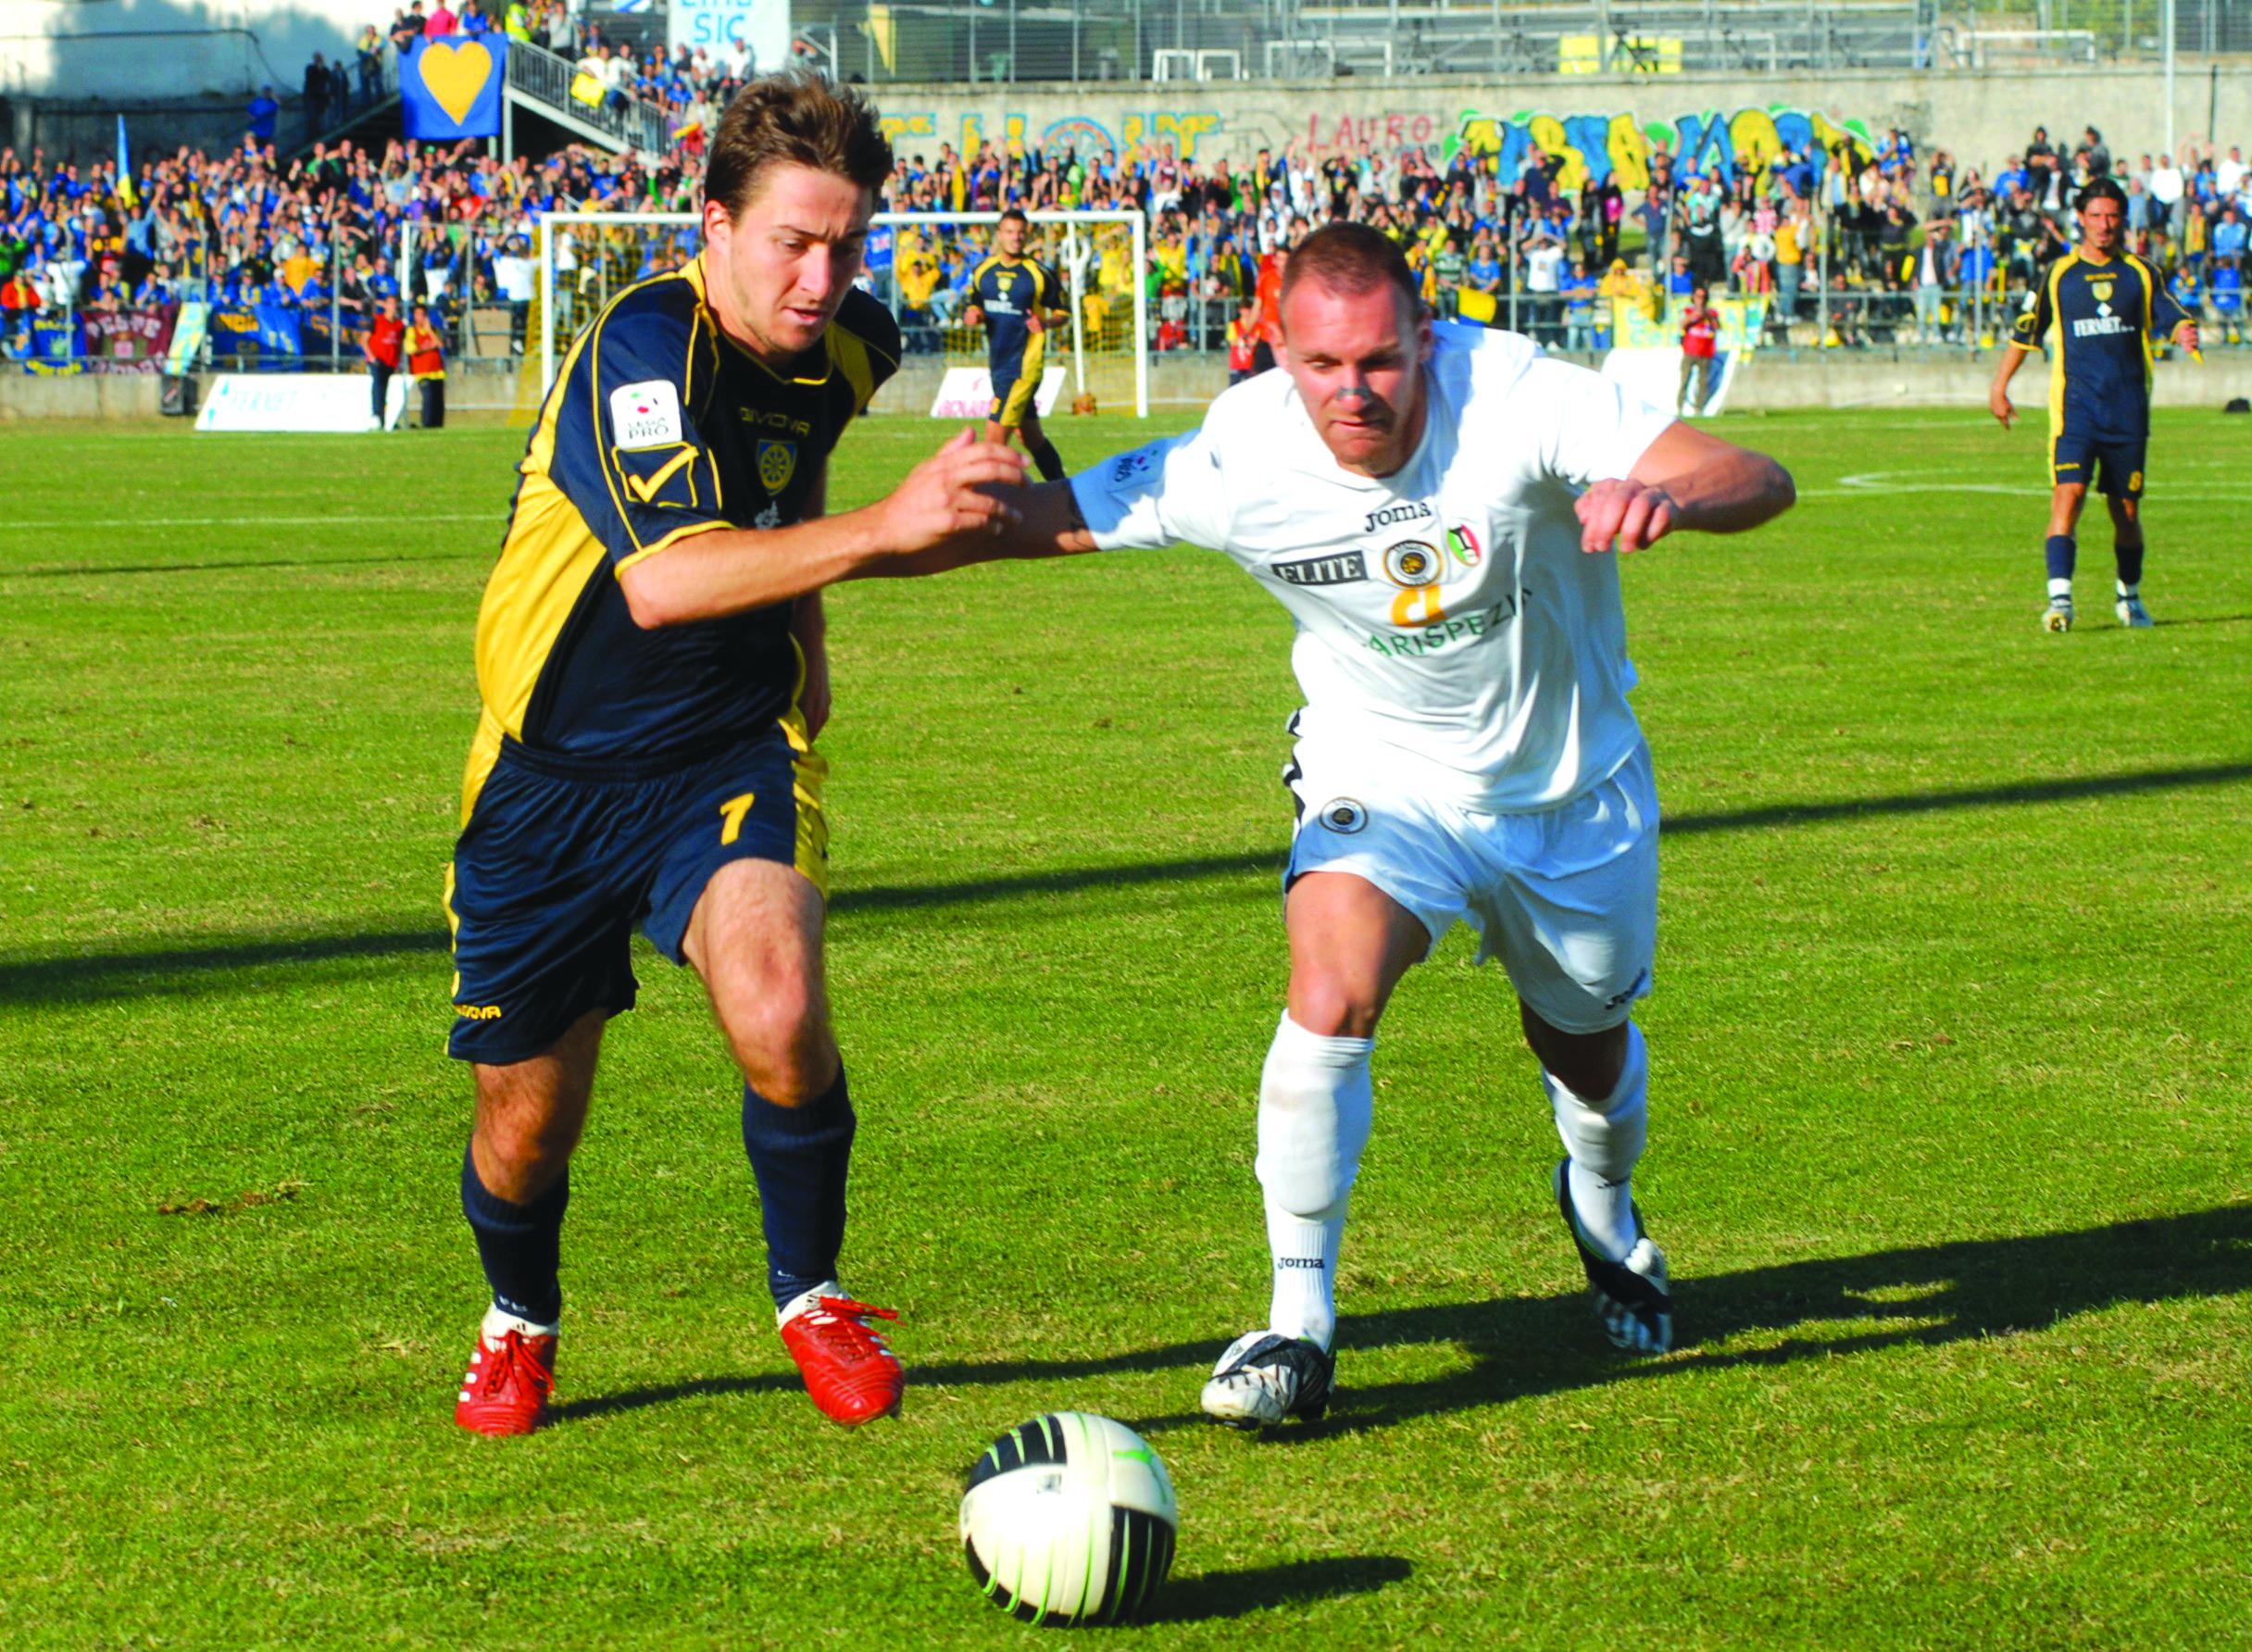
<point x="1602" y="146"/>
<point x="1184" y="132"/>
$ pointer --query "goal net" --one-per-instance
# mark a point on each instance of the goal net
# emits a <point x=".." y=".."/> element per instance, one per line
<point x="919" y="265"/>
<point x="1102" y="259"/>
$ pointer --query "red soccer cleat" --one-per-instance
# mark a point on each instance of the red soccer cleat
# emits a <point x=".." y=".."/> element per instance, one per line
<point x="510" y="1381"/>
<point x="849" y="1372"/>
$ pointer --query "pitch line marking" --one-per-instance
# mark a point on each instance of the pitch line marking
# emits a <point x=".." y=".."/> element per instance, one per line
<point x="246" y="521"/>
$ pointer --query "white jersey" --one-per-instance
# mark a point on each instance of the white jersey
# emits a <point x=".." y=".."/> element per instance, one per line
<point x="1451" y="634"/>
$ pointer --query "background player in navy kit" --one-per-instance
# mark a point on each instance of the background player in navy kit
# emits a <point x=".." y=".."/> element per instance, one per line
<point x="2097" y="314"/>
<point x="1017" y="299"/>
<point x="651" y="662"/>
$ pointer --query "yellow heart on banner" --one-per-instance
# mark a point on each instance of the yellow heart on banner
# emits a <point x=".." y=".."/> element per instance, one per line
<point x="456" y="74"/>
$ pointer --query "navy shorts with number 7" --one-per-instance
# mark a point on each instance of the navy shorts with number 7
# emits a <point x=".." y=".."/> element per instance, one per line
<point x="561" y="858"/>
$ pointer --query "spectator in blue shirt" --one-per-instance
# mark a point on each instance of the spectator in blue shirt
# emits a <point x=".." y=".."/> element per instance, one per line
<point x="264" y="114"/>
<point x="2227" y="293"/>
<point x="2229" y="234"/>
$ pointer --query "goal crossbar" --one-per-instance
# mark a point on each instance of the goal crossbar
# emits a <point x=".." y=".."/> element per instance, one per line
<point x="1135" y="224"/>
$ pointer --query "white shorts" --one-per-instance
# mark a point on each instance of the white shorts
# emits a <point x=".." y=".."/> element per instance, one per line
<point x="1567" y="898"/>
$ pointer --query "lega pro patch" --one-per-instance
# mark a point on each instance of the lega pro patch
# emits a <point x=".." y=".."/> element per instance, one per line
<point x="646" y="415"/>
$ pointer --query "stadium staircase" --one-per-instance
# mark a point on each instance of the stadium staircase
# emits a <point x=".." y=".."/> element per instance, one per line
<point x="539" y="86"/>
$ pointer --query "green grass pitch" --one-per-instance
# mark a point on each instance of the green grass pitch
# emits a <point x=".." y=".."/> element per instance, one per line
<point x="1951" y="1053"/>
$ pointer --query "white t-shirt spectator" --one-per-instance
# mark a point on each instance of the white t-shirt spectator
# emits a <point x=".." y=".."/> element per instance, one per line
<point x="1543" y="267"/>
<point x="512" y="275"/>
<point x="2166" y="183"/>
<point x="2228" y="174"/>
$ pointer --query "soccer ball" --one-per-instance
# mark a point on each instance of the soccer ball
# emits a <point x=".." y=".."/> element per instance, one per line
<point x="1070" y="1519"/>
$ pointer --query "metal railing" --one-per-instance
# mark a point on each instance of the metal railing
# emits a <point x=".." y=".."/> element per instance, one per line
<point x="544" y="77"/>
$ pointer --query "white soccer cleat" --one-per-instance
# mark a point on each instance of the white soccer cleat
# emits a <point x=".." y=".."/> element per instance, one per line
<point x="2133" y="614"/>
<point x="1265" y="1377"/>
<point x="2058" y="616"/>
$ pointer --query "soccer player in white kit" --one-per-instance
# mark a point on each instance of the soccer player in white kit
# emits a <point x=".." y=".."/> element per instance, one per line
<point x="1431" y="506"/>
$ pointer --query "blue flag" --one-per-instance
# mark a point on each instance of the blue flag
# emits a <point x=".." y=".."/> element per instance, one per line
<point x="451" y="87"/>
<point x="280" y="330"/>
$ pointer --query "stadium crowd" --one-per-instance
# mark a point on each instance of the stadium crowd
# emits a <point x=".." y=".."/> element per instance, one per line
<point x="1866" y="243"/>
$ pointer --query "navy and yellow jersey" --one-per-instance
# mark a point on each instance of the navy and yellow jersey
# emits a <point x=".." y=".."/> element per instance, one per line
<point x="1011" y="292"/>
<point x="2098" y="323"/>
<point x="657" y="427"/>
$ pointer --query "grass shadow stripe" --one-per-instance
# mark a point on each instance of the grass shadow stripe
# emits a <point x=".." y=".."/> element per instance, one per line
<point x="92" y="978"/>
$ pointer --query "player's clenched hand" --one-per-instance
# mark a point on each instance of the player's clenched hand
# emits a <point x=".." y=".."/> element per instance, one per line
<point x="1997" y="404"/>
<point x="1635" y="514"/>
<point x="943" y="497"/>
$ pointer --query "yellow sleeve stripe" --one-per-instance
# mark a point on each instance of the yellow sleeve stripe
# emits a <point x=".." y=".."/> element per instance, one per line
<point x="603" y="457"/>
<point x="646" y="490"/>
<point x="850" y="352"/>
<point x="669" y="539"/>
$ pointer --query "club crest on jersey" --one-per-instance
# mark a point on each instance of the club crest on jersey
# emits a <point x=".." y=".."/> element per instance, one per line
<point x="1463" y="541"/>
<point x="777" y="464"/>
<point x="1342" y="814"/>
<point x="1413" y="511"/>
<point x="1412" y="563"/>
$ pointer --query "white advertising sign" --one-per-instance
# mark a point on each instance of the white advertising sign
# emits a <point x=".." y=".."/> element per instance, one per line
<point x="1655" y="376"/>
<point x="967" y="393"/>
<point x="335" y="403"/>
<point x="763" y="26"/>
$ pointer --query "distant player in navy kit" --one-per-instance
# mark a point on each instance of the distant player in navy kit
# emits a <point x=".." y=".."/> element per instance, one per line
<point x="1017" y="299"/>
<point x="2097" y="314"/>
<point x="651" y="662"/>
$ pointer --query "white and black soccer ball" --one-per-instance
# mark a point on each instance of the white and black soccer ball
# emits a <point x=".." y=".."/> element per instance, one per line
<point x="1070" y="1519"/>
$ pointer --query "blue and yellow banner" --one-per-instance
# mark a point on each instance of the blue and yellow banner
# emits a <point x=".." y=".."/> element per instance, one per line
<point x="451" y="87"/>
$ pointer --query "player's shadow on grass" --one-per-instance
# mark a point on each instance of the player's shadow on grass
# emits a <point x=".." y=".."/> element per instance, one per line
<point x="1520" y="1346"/>
<point x="1215" y="1595"/>
<point x="80" y="977"/>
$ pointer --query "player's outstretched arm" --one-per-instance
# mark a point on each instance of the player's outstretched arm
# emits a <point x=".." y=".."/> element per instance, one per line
<point x="1685" y="480"/>
<point x="731" y="570"/>
<point x="1040" y="520"/>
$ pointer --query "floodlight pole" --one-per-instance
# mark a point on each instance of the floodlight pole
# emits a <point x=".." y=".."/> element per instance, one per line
<point x="2166" y="13"/>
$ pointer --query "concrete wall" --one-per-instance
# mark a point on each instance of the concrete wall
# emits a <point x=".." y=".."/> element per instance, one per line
<point x="168" y="50"/>
<point x="1980" y="119"/>
<point x="82" y="395"/>
<point x="1774" y="382"/>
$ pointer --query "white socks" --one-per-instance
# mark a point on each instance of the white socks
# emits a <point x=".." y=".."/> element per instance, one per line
<point x="1315" y="1108"/>
<point x="499" y="1322"/>
<point x="1604" y="1138"/>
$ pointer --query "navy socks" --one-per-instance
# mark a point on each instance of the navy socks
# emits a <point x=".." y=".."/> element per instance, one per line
<point x="520" y="1246"/>
<point x="799" y="1156"/>
<point x="1047" y="461"/>
<point x="2130" y="559"/>
<point x="2061" y="555"/>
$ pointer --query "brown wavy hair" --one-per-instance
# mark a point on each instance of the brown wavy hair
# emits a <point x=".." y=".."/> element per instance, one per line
<point x="795" y="117"/>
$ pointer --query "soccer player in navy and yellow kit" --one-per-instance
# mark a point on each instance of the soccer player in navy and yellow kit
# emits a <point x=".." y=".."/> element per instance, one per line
<point x="1017" y="299"/>
<point x="2097" y="313"/>
<point x="651" y="662"/>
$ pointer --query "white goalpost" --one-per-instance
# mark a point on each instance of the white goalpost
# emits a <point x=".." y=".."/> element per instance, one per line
<point x="1071" y="253"/>
<point x="1103" y="257"/>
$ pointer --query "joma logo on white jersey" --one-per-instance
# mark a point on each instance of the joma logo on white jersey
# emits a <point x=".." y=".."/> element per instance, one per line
<point x="1417" y="512"/>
